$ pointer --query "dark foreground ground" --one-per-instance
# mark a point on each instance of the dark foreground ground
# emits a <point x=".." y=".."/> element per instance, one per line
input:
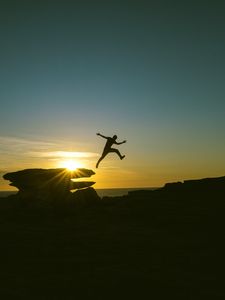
<point x="164" y="244"/>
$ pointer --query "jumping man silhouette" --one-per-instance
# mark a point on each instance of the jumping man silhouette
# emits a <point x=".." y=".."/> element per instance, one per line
<point x="108" y="149"/>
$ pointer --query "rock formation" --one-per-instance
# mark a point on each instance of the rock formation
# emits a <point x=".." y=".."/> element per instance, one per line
<point x="48" y="183"/>
<point x="197" y="184"/>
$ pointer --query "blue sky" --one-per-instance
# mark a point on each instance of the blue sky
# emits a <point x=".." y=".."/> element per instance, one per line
<point x="151" y="72"/>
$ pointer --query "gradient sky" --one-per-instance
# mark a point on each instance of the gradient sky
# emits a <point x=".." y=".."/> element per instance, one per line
<point x="151" y="72"/>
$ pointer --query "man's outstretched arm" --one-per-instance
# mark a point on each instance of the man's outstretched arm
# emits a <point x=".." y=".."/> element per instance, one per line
<point x="120" y="142"/>
<point x="105" y="137"/>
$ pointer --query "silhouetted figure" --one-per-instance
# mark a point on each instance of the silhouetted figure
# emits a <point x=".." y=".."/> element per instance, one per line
<point x="108" y="149"/>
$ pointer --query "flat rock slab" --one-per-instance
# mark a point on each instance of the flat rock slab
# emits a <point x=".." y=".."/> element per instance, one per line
<point x="49" y="179"/>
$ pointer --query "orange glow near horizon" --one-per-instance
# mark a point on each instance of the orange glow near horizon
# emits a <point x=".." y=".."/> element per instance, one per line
<point x="70" y="165"/>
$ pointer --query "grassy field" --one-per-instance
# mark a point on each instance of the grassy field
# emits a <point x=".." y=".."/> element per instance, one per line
<point x="150" y="245"/>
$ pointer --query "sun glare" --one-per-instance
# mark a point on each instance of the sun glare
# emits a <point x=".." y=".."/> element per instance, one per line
<point x="70" y="165"/>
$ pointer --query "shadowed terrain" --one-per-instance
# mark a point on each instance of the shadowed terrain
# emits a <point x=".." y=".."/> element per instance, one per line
<point x="159" y="244"/>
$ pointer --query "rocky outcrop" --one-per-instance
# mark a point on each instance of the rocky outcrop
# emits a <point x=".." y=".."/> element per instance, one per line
<point x="48" y="183"/>
<point x="197" y="184"/>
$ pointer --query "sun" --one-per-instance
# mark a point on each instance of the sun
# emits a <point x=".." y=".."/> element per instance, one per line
<point x="70" y="165"/>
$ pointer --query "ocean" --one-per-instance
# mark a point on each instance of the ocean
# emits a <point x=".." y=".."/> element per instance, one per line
<point x="115" y="192"/>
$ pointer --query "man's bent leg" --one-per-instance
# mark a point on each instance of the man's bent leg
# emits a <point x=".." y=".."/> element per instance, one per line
<point x="117" y="152"/>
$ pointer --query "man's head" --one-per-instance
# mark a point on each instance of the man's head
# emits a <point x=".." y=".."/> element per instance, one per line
<point x="115" y="137"/>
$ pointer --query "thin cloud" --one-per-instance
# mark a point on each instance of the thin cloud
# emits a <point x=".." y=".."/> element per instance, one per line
<point x="39" y="148"/>
<point x="62" y="154"/>
<point x="14" y="150"/>
<point x="19" y="146"/>
<point x="7" y="140"/>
